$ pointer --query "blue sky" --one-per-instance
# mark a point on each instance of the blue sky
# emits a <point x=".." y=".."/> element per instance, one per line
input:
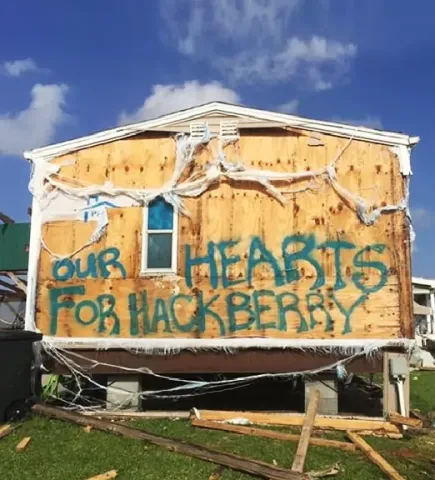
<point x="71" y="68"/>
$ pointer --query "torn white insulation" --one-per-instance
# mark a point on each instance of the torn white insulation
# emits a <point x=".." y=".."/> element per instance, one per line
<point x="218" y="170"/>
<point x="185" y="388"/>
<point x="164" y="346"/>
<point x="57" y="197"/>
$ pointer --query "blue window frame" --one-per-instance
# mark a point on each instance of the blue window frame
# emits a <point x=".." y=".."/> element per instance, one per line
<point x="159" y="245"/>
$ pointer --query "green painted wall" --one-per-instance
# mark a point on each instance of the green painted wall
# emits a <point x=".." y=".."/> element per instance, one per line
<point x="14" y="246"/>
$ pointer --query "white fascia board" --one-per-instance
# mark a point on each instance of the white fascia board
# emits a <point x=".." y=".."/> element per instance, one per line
<point x="423" y="281"/>
<point x="359" y="133"/>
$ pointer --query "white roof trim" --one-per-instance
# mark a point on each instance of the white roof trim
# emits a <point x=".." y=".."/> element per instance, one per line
<point x="342" y="130"/>
<point x="423" y="281"/>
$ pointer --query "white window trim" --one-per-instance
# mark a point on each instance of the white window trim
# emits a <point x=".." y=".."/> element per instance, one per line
<point x="144" y="270"/>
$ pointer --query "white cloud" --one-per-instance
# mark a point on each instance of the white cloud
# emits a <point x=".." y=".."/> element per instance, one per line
<point x="289" y="107"/>
<point x="422" y="217"/>
<point x="171" y="98"/>
<point x="258" y="21"/>
<point x="317" y="61"/>
<point x="36" y="125"/>
<point x="371" y="121"/>
<point x="249" y="41"/>
<point x="18" y="67"/>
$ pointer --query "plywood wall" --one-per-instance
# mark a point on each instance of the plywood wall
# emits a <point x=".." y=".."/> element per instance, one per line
<point x="361" y="290"/>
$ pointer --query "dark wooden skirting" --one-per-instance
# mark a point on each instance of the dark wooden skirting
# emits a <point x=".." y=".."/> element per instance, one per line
<point x="246" y="361"/>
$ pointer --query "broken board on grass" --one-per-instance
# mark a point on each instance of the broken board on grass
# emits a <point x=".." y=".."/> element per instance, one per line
<point x="375" y="457"/>
<point x="297" y="420"/>
<point x="307" y="428"/>
<point x="272" y="434"/>
<point x="253" y="467"/>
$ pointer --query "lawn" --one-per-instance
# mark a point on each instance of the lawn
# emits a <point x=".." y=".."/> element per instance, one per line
<point x="62" y="451"/>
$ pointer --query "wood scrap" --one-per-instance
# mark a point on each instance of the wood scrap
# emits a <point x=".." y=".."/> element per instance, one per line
<point x="328" y="472"/>
<point x="6" y="430"/>
<point x="87" y="429"/>
<point x="217" y="474"/>
<point x="380" y="434"/>
<point x="323" y="422"/>
<point x="105" y="476"/>
<point x="140" y="415"/>
<point x="417" y="414"/>
<point x="11" y="286"/>
<point x="307" y="428"/>
<point x="401" y="420"/>
<point x="273" y="434"/>
<point x="253" y="467"/>
<point x="12" y="295"/>
<point x="374" y="456"/>
<point x="22" y="445"/>
<point x="6" y="218"/>
<point x="19" y="283"/>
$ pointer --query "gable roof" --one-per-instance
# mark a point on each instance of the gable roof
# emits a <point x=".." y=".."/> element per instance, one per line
<point x="338" y="129"/>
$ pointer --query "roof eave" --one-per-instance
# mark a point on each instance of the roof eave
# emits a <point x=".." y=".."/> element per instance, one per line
<point x="360" y="133"/>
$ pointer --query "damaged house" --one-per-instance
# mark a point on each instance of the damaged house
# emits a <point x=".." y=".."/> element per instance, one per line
<point x="223" y="239"/>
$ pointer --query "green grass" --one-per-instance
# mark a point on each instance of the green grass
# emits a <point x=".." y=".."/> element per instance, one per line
<point x="423" y="392"/>
<point x="62" y="451"/>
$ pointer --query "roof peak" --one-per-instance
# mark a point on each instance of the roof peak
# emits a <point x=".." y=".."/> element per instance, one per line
<point x="332" y="128"/>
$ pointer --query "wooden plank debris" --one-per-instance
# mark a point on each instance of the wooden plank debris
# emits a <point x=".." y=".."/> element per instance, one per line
<point x="273" y="434"/>
<point x="18" y="281"/>
<point x="401" y="420"/>
<point x="417" y="414"/>
<point x="6" y="430"/>
<point x="22" y="445"/>
<point x="328" y="472"/>
<point x="11" y="286"/>
<point x="6" y="218"/>
<point x="374" y="456"/>
<point x="322" y="422"/>
<point x="217" y="474"/>
<point x="253" y="467"/>
<point x="307" y="428"/>
<point x="87" y="429"/>
<point x="140" y="415"/>
<point x="380" y="434"/>
<point x="105" y="476"/>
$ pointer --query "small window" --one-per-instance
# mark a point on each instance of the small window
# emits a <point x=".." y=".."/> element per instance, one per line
<point x="159" y="245"/>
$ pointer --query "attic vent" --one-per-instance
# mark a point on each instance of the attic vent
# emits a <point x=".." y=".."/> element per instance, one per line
<point x="198" y="130"/>
<point x="229" y="132"/>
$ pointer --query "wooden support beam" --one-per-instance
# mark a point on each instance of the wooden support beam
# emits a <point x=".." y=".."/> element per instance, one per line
<point x="273" y="434"/>
<point x="374" y="456"/>
<point x="323" y="422"/>
<point x="307" y="428"/>
<point x="253" y="360"/>
<point x="253" y="467"/>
